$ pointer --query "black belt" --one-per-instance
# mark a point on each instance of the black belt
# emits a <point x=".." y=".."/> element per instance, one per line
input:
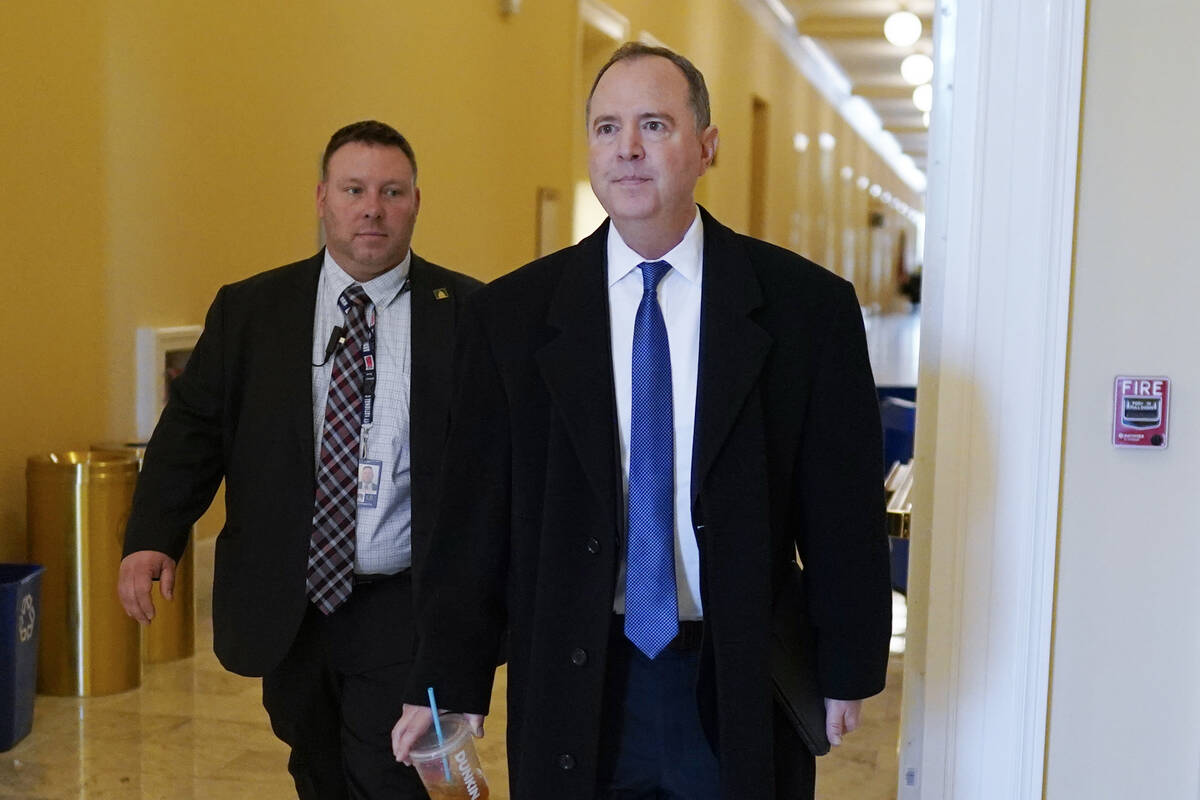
<point x="361" y="579"/>
<point x="691" y="633"/>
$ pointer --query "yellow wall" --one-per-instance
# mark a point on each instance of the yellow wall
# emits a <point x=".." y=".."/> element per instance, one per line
<point x="55" y="231"/>
<point x="157" y="150"/>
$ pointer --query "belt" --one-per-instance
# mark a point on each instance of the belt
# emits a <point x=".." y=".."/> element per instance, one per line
<point x="691" y="633"/>
<point x="362" y="579"/>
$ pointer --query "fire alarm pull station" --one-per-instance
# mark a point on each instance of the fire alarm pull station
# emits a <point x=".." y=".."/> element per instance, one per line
<point x="1140" y="411"/>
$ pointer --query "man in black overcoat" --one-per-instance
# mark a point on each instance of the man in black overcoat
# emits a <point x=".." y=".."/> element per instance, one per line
<point x="312" y="587"/>
<point x="586" y="446"/>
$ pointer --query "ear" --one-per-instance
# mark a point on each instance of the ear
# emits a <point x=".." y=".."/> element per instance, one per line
<point x="416" y="199"/>
<point x="322" y="188"/>
<point x="708" y="147"/>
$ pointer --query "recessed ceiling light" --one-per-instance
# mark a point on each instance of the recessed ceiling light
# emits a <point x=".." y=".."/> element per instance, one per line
<point x="903" y="28"/>
<point x="923" y="97"/>
<point x="800" y="142"/>
<point x="827" y="141"/>
<point x="917" y="69"/>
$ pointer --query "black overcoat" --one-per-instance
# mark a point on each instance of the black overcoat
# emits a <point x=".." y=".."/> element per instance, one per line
<point x="787" y="457"/>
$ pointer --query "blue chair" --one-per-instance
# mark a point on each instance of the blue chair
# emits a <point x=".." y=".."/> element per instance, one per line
<point x="899" y="419"/>
<point x="903" y="392"/>
<point x="898" y="553"/>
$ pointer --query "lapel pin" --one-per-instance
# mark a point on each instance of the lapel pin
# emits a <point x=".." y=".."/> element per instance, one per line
<point x="441" y="294"/>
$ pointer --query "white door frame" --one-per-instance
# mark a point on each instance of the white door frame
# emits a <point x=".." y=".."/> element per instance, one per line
<point x="1000" y="225"/>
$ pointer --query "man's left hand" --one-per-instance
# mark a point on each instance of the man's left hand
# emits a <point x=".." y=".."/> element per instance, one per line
<point x="841" y="717"/>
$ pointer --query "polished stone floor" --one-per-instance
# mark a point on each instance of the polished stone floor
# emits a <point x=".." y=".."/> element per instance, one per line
<point x="194" y="731"/>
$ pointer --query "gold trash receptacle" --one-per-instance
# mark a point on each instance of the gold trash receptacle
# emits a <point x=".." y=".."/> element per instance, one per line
<point x="172" y="634"/>
<point x="77" y="505"/>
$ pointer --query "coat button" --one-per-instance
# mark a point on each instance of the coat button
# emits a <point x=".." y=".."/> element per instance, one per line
<point x="593" y="545"/>
<point x="579" y="656"/>
<point x="566" y="761"/>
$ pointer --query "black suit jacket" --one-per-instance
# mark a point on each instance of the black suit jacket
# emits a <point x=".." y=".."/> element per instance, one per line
<point x="242" y="411"/>
<point x="787" y="455"/>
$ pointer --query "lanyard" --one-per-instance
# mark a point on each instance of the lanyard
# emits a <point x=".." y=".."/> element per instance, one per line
<point x="366" y="352"/>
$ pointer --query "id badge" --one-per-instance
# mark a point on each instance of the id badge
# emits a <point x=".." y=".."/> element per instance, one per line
<point x="370" y="472"/>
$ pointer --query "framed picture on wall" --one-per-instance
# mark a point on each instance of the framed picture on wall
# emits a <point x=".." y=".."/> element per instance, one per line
<point x="162" y="354"/>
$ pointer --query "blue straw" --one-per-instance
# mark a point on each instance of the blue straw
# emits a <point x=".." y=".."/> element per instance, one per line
<point x="437" y="728"/>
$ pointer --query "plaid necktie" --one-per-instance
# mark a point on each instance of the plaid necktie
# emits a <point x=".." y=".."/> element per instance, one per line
<point x="651" y="605"/>
<point x="331" y="551"/>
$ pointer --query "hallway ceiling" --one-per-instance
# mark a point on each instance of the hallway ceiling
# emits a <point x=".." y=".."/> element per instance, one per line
<point x="851" y="34"/>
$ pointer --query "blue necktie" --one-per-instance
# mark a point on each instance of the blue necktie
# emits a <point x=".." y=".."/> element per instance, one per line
<point x="651" y="606"/>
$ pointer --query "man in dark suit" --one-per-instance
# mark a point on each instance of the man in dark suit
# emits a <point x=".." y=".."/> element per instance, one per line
<point x="306" y="377"/>
<point x="646" y="429"/>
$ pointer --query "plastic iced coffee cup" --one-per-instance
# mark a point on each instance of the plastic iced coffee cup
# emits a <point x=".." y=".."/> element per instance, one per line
<point x="456" y="756"/>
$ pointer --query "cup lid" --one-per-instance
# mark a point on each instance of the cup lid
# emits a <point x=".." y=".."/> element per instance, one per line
<point x="454" y="731"/>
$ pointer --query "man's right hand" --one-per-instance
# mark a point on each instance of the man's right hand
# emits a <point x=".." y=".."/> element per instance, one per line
<point x="138" y="572"/>
<point x="416" y="720"/>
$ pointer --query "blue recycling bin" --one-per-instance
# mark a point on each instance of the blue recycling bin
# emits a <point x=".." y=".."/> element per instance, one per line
<point x="20" y="603"/>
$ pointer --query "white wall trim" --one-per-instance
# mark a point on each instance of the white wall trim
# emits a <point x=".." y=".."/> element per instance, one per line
<point x="1000" y="216"/>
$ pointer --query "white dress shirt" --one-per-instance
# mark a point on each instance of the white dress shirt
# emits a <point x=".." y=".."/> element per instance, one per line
<point x="384" y="533"/>
<point x="679" y="298"/>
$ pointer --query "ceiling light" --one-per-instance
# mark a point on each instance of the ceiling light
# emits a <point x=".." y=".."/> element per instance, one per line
<point x="923" y="97"/>
<point x="903" y="28"/>
<point x="800" y="142"/>
<point x="917" y="69"/>
<point x="925" y="119"/>
<point x="863" y="182"/>
<point x="847" y="173"/>
<point x="876" y="190"/>
<point x="886" y="197"/>
<point x="827" y="141"/>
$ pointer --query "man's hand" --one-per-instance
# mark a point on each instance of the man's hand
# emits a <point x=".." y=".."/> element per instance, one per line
<point x="415" y="721"/>
<point x="841" y="717"/>
<point x="138" y="571"/>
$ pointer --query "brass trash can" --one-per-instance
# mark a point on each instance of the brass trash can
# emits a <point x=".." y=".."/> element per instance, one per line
<point x="77" y="505"/>
<point x="172" y="634"/>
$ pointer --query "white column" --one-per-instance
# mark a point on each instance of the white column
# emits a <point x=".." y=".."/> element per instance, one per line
<point x="1000" y="217"/>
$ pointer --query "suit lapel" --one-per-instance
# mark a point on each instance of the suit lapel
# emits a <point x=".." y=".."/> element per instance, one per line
<point x="733" y="347"/>
<point x="577" y="364"/>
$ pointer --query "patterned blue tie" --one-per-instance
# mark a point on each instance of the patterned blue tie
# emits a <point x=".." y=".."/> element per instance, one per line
<point x="651" y="606"/>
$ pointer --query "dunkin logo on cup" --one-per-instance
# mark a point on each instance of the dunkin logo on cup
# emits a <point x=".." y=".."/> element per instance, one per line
<point x="468" y="776"/>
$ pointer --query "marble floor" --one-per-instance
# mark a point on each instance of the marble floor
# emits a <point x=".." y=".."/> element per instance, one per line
<point x="193" y="731"/>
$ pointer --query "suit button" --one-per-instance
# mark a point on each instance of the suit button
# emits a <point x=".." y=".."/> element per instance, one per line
<point x="566" y="761"/>
<point x="579" y="656"/>
<point x="593" y="545"/>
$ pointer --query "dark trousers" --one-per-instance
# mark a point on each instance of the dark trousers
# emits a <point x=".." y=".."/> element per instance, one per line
<point x="652" y="745"/>
<point x="338" y="692"/>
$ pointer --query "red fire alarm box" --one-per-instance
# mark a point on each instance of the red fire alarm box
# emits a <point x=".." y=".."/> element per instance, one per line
<point x="1140" y="411"/>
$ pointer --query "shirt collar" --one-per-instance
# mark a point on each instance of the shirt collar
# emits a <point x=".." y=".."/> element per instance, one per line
<point x="686" y="258"/>
<point x="382" y="290"/>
